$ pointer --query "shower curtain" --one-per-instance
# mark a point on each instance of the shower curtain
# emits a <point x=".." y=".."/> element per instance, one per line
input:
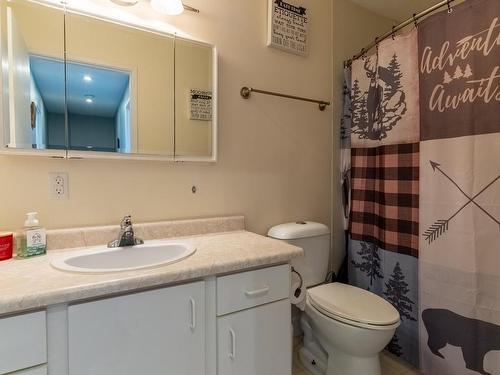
<point x="425" y="187"/>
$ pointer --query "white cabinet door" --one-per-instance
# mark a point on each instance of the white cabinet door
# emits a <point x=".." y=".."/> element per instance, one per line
<point x="256" y="341"/>
<point x="158" y="332"/>
<point x="23" y="341"/>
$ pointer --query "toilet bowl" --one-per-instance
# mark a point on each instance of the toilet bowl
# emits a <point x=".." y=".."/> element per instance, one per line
<point x="352" y="325"/>
<point x="345" y="327"/>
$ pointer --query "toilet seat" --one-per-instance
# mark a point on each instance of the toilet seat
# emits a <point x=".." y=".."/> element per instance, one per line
<point x="353" y="306"/>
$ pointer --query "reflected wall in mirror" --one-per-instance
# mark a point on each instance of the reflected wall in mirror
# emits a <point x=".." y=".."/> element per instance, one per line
<point x="32" y="38"/>
<point x="120" y="88"/>
<point x="194" y="105"/>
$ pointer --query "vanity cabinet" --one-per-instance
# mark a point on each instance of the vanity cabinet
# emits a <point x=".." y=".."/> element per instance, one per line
<point x="254" y="333"/>
<point x="235" y="324"/>
<point x="160" y="331"/>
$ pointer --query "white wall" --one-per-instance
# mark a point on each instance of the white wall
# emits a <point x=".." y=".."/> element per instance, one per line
<point x="123" y="122"/>
<point x="19" y="86"/>
<point x="40" y="133"/>
<point x="275" y="154"/>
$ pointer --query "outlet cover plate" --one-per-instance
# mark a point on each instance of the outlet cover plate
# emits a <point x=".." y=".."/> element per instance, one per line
<point x="59" y="185"/>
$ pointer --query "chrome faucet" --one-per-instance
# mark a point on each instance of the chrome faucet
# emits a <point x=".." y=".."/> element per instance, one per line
<point x="126" y="237"/>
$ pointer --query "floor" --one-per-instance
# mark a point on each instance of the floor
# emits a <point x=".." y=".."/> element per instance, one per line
<point x="390" y="365"/>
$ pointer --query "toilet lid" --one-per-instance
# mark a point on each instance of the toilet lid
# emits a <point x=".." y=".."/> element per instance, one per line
<point x="353" y="304"/>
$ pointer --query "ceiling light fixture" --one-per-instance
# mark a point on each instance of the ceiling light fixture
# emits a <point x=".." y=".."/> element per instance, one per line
<point x="125" y="3"/>
<point x="169" y="7"/>
<point x="87" y="78"/>
<point x="89" y="99"/>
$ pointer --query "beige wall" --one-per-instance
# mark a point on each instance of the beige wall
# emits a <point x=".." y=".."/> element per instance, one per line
<point x="353" y="28"/>
<point x="274" y="154"/>
<point x="42" y="27"/>
<point x="193" y="70"/>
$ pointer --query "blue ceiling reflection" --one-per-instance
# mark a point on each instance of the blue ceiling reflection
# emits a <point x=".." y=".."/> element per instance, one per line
<point x="92" y="90"/>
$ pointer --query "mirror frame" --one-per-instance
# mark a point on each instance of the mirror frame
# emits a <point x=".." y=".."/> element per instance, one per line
<point x="72" y="154"/>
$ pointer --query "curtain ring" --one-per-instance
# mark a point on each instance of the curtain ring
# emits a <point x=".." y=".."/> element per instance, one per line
<point x="415" y="19"/>
<point x="393" y="35"/>
<point x="450" y="9"/>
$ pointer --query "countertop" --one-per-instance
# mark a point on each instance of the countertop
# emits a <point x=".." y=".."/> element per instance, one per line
<point x="34" y="284"/>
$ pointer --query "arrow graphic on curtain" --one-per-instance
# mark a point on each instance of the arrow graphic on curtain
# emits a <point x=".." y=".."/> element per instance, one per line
<point x="441" y="226"/>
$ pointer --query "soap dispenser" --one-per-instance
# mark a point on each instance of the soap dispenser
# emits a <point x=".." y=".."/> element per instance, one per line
<point x="32" y="239"/>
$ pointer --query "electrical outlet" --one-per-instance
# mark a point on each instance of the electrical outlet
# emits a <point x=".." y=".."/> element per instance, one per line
<point x="58" y="185"/>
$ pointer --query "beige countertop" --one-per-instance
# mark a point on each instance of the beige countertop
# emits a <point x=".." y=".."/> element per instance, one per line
<point x="33" y="283"/>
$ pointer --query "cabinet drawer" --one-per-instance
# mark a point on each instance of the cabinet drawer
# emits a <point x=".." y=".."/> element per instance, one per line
<point x="23" y="341"/>
<point x="253" y="288"/>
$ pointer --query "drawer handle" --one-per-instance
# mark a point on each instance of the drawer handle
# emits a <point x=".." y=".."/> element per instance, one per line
<point x="258" y="292"/>
<point x="232" y="354"/>
<point x="193" y="313"/>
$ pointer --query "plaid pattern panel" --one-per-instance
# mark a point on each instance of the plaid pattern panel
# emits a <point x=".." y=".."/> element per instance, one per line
<point x="384" y="207"/>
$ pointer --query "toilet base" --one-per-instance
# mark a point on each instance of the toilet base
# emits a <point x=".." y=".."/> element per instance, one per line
<point x="312" y="356"/>
<point x="311" y="362"/>
<point x="343" y="364"/>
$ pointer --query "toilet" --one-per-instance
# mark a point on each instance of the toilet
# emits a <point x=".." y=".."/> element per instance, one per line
<point x="345" y="327"/>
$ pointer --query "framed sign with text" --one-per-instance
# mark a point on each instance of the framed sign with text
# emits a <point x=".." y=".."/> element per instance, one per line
<point x="200" y="106"/>
<point x="288" y="27"/>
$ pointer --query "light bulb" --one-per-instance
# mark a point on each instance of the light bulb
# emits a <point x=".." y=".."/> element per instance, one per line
<point x="170" y="7"/>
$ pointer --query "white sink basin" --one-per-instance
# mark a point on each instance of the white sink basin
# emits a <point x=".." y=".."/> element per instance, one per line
<point x="103" y="259"/>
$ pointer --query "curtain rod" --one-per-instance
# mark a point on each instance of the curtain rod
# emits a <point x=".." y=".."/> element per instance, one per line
<point x="402" y="25"/>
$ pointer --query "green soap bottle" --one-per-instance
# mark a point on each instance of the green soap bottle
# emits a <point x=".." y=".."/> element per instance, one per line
<point x="32" y="239"/>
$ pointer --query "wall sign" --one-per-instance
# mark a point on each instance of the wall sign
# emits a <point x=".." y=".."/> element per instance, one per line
<point x="288" y="27"/>
<point x="200" y="106"/>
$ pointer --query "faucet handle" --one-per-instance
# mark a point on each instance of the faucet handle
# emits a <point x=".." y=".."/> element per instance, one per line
<point x="126" y="221"/>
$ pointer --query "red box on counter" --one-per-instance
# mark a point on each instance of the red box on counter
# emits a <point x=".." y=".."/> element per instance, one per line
<point x="6" y="245"/>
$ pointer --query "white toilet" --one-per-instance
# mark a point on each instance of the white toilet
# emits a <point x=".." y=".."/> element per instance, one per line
<point x="345" y="328"/>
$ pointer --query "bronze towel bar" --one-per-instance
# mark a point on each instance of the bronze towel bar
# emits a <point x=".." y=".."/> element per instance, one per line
<point x="246" y="91"/>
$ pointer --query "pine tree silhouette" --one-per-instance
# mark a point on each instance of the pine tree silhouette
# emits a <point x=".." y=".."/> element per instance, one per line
<point x="345" y="121"/>
<point x="396" y="293"/>
<point x="363" y="114"/>
<point x="355" y="102"/>
<point x="458" y="73"/>
<point x="468" y="71"/>
<point x="395" y="69"/>
<point x="394" y="346"/>
<point x="447" y="78"/>
<point x="371" y="261"/>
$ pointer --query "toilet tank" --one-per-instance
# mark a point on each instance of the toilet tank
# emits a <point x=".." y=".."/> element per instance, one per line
<point x="314" y="239"/>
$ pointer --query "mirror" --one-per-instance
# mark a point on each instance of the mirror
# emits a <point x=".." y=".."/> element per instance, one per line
<point x="32" y="37"/>
<point x="115" y="90"/>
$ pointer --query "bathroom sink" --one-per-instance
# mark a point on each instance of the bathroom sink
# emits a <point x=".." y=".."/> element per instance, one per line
<point x="104" y="260"/>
